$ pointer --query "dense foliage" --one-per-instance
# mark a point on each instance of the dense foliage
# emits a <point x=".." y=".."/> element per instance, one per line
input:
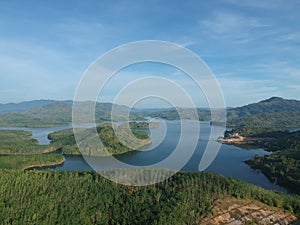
<point x="273" y="112"/>
<point x="283" y="164"/>
<point x="53" y="114"/>
<point x="286" y="141"/>
<point x="24" y="106"/>
<point x="20" y="142"/>
<point x="202" y="114"/>
<point x="60" y="113"/>
<point x="113" y="144"/>
<point x="62" y="197"/>
<point x="28" y="161"/>
<point x="279" y="120"/>
<point x="143" y="125"/>
<point x="255" y="131"/>
<point x="65" y="139"/>
<point x="281" y="167"/>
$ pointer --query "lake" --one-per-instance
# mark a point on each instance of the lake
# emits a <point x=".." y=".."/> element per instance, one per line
<point x="41" y="133"/>
<point x="228" y="162"/>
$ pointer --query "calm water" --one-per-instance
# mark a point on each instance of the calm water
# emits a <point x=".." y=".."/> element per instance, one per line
<point x="228" y="162"/>
<point x="41" y="134"/>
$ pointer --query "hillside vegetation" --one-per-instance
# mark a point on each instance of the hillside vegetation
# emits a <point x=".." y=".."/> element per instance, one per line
<point x="20" y="142"/>
<point x="30" y="161"/>
<point x="273" y="112"/>
<point x="139" y="125"/>
<point x="60" y="113"/>
<point x="23" y="106"/>
<point x="65" y="140"/>
<point x="283" y="165"/>
<point x="19" y="150"/>
<point x="202" y="114"/>
<point x="62" y="197"/>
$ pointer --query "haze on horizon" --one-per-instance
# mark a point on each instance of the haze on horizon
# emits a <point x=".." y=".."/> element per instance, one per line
<point x="251" y="46"/>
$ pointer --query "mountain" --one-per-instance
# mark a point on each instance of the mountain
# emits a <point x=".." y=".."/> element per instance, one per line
<point x="175" y="113"/>
<point x="52" y="114"/>
<point x="272" y="112"/>
<point x="271" y="105"/>
<point x="23" y="106"/>
<point x="57" y="113"/>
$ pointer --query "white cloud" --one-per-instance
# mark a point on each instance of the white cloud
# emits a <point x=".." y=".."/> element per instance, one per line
<point x="224" y="23"/>
<point x="291" y="73"/>
<point x="274" y="4"/>
<point x="239" y="91"/>
<point x="260" y="81"/>
<point x="79" y="33"/>
<point x="294" y="36"/>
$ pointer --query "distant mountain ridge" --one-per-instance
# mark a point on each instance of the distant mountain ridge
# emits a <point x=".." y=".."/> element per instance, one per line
<point x="23" y="106"/>
<point x="27" y="105"/>
<point x="57" y="113"/>
<point x="272" y="112"/>
<point x="271" y="105"/>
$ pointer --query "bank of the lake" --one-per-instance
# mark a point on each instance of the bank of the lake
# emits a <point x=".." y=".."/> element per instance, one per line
<point x="230" y="161"/>
<point x="115" y="140"/>
<point x="31" y="161"/>
<point x="282" y="165"/>
<point x="45" y="165"/>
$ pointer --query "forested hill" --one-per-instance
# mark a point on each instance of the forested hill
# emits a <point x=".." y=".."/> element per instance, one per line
<point x="271" y="105"/>
<point x="273" y="112"/>
<point x="23" y="106"/>
<point x="58" y="113"/>
<point x="60" y="197"/>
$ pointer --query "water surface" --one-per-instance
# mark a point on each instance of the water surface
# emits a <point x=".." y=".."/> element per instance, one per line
<point x="230" y="161"/>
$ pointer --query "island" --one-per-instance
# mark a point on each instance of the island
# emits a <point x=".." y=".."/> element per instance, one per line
<point x="140" y="125"/>
<point x="19" y="150"/>
<point x="65" y="140"/>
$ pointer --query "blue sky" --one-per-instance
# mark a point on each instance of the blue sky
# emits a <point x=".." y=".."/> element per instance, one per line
<point x="252" y="46"/>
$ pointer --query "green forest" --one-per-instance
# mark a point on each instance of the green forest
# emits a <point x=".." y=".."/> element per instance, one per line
<point x="30" y="161"/>
<point x="140" y="125"/>
<point x="60" y="197"/>
<point x="60" y="113"/>
<point x="20" y="142"/>
<point x="274" y="112"/>
<point x="257" y="131"/>
<point x="65" y="140"/>
<point x="19" y="150"/>
<point x="283" y="164"/>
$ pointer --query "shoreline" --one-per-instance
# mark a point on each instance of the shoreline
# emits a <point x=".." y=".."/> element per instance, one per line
<point x="30" y="167"/>
<point x="246" y="140"/>
<point x="116" y="154"/>
<point x="29" y="153"/>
